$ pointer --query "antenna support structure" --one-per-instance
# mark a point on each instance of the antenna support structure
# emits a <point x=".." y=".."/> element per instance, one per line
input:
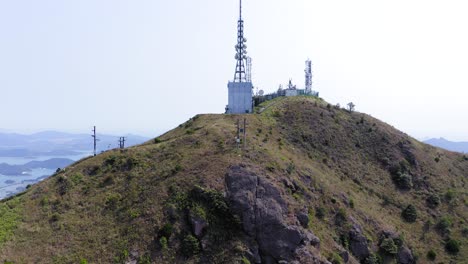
<point x="240" y="90"/>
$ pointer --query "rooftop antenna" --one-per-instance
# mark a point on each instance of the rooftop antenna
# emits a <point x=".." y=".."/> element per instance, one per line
<point x="308" y="77"/>
<point x="241" y="49"/>
<point x="248" y="75"/>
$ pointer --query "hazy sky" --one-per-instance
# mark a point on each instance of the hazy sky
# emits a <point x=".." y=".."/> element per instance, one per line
<point x="145" y="66"/>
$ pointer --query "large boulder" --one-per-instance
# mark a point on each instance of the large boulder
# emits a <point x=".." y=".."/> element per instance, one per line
<point x="358" y="242"/>
<point x="405" y="256"/>
<point x="262" y="209"/>
<point x="198" y="223"/>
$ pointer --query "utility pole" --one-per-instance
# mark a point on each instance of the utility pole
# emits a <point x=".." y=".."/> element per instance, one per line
<point x="94" y="139"/>
<point x="245" y="133"/>
<point x="122" y="142"/>
<point x="238" y="134"/>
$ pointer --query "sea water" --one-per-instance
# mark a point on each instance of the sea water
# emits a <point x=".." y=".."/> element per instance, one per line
<point x="12" y="184"/>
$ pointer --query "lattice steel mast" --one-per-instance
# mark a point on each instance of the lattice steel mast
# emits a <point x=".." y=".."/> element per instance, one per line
<point x="241" y="49"/>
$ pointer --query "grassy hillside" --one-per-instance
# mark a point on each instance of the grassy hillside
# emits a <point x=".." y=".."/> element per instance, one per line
<point x="370" y="193"/>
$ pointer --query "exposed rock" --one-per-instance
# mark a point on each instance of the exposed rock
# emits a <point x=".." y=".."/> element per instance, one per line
<point x="303" y="218"/>
<point x="305" y="256"/>
<point x="198" y="224"/>
<point x="345" y="256"/>
<point x="405" y="256"/>
<point x="252" y="254"/>
<point x="288" y="184"/>
<point x="358" y="242"/>
<point x="312" y="240"/>
<point x="262" y="209"/>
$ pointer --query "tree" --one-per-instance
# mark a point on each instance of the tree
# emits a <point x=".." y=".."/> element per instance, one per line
<point x="351" y="107"/>
<point x="410" y="214"/>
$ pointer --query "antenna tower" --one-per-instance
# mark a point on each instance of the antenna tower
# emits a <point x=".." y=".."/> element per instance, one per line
<point x="241" y="49"/>
<point x="308" y="77"/>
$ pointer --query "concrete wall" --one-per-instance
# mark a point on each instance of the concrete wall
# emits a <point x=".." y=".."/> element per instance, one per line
<point x="239" y="98"/>
<point x="290" y="92"/>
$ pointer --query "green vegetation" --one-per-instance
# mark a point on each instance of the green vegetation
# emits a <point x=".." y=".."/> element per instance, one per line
<point x="10" y="215"/>
<point x="444" y="224"/>
<point x="190" y="246"/>
<point x="433" y="201"/>
<point x="431" y="255"/>
<point x="320" y="212"/>
<point x="388" y="246"/>
<point x="452" y="246"/>
<point x="409" y="214"/>
<point x="335" y="259"/>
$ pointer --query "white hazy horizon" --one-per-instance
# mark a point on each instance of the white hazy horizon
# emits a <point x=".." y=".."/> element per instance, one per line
<point x="143" y="67"/>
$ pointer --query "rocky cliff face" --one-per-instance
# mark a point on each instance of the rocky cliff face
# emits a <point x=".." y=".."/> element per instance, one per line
<point x="263" y="211"/>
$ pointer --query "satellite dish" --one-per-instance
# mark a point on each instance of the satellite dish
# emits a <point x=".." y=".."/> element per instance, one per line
<point x="261" y="92"/>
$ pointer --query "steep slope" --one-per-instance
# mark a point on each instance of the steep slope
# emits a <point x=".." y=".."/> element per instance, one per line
<point x="313" y="183"/>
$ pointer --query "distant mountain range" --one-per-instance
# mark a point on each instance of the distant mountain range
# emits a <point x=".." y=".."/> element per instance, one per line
<point x="53" y="143"/>
<point x="448" y="145"/>
<point x="13" y="170"/>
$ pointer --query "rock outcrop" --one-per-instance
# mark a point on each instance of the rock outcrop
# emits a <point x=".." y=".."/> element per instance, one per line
<point x="405" y="256"/>
<point x="261" y="208"/>
<point x="358" y="242"/>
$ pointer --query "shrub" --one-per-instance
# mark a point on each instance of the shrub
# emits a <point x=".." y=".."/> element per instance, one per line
<point x="166" y="230"/>
<point x="157" y="140"/>
<point x="163" y="242"/>
<point x="410" y="214"/>
<point x="55" y="217"/>
<point x="403" y="181"/>
<point x="452" y="246"/>
<point x="388" y="246"/>
<point x="63" y="185"/>
<point x="450" y="195"/>
<point x="444" y="224"/>
<point x="112" y="200"/>
<point x="341" y="216"/>
<point x="373" y="259"/>
<point x="433" y="201"/>
<point x="83" y="261"/>
<point x="431" y="255"/>
<point x="290" y="169"/>
<point x="465" y="231"/>
<point x="190" y="246"/>
<point x="320" y="212"/>
<point x="335" y="258"/>
<point x="244" y="260"/>
<point x="351" y="203"/>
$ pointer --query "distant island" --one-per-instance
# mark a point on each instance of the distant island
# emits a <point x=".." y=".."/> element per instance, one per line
<point x="14" y="170"/>
<point x="58" y="144"/>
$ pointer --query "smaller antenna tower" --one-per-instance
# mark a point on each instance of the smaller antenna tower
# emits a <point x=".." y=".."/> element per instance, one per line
<point x="248" y="74"/>
<point x="308" y="77"/>
<point x="94" y="139"/>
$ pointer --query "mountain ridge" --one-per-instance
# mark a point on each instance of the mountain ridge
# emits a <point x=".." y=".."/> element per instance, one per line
<point x="313" y="184"/>
<point x="448" y="145"/>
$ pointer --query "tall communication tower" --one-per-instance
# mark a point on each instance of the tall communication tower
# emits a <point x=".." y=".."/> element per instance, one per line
<point x="240" y="90"/>
<point x="308" y="77"/>
<point x="241" y="49"/>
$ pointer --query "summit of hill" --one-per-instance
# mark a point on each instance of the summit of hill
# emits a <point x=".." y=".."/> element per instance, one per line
<point x="311" y="183"/>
